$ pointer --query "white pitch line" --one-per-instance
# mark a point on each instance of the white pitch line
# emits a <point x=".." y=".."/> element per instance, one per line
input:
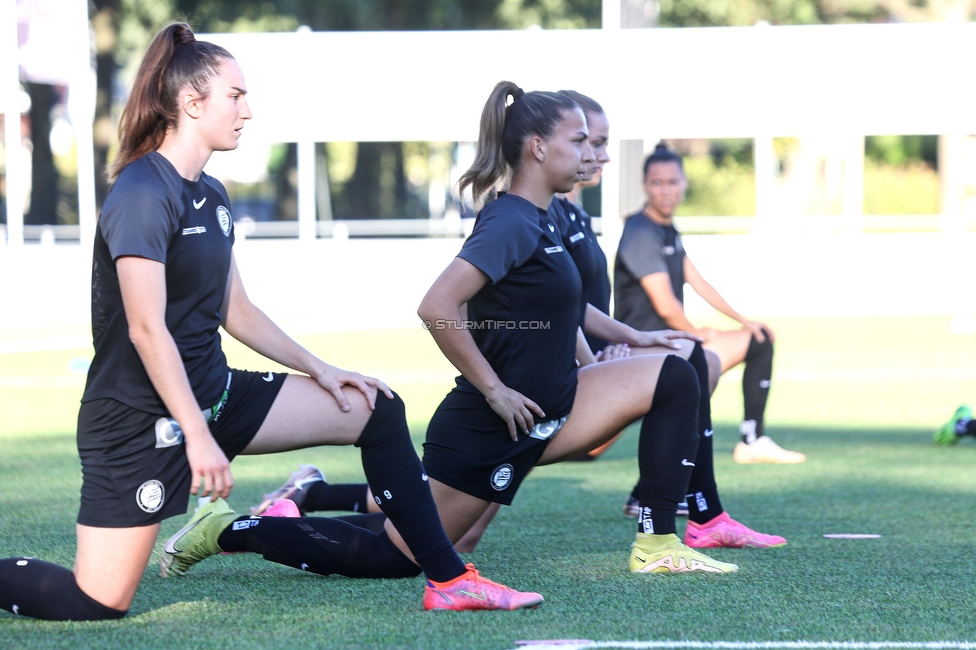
<point x="756" y="645"/>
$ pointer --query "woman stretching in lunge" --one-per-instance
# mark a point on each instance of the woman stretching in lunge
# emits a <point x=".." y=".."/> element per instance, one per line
<point x="520" y="400"/>
<point x="162" y="413"/>
<point x="710" y="526"/>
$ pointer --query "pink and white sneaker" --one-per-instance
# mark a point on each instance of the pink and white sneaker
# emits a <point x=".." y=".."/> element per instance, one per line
<point x="294" y="488"/>
<point x="470" y="591"/>
<point x="725" y="532"/>
<point x="282" y="508"/>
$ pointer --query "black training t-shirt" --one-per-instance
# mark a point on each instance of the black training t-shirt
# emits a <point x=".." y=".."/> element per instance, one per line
<point x="524" y="321"/>
<point x="645" y="247"/>
<point x="580" y="240"/>
<point x="154" y="213"/>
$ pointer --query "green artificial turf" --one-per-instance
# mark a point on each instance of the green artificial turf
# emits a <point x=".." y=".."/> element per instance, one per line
<point x="860" y="396"/>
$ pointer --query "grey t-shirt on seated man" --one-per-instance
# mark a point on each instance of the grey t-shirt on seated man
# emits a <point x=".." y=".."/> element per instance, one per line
<point x="646" y="247"/>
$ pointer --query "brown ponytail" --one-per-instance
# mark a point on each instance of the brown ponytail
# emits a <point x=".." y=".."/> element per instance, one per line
<point x="174" y="60"/>
<point x="505" y="126"/>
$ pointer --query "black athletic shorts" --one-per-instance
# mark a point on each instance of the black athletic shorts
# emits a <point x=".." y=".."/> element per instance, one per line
<point x="133" y="464"/>
<point x="469" y="448"/>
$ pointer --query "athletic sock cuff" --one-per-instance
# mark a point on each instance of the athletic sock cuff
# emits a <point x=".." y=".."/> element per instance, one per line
<point x="442" y="565"/>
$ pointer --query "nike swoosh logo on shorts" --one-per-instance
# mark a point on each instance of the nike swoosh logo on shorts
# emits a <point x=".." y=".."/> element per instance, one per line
<point x="686" y="463"/>
<point x="268" y="377"/>
<point x="708" y="433"/>
<point x="200" y="204"/>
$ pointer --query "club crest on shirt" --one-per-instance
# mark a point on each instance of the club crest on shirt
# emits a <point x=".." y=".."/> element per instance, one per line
<point x="150" y="496"/>
<point x="502" y="476"/>
<point x="223" y="218"/>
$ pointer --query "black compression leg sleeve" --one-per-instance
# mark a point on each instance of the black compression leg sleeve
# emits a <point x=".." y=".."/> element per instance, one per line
<point x="702" y="497"/>
<point x="374" y="521"/>
<point x="399" y="485"/>
<point x="335" y="496"/>
<point x="755" y="381"/>
<point x="39" y="589"/>
<point x="320" y="545"/>
<point x="668" y="445"/>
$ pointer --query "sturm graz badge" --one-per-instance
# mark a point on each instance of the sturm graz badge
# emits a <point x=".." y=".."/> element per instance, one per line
<point x="502" y="476"/>
<point x="223" y="218"/>
<point x="150" y="496"/>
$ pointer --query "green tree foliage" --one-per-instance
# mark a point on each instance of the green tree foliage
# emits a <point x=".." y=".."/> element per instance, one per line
<point x="549" y="14"/>
<point x="719" y="184"/>
<point x="897" y="149"/>
<point x="731" y="13"/>
<point x="353" y="15"/>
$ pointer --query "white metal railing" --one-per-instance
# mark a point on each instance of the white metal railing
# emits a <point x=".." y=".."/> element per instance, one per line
<point x="756" y="82"/>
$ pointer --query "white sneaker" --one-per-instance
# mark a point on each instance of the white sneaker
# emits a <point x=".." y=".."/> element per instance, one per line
<point x="764" y="450"/>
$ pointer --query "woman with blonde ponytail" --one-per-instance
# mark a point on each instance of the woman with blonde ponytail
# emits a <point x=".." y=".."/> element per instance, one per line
<point x="162" y="415"/>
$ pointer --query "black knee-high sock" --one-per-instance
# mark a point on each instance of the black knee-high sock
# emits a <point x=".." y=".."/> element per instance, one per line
<point x="335" y="496"/>
<point x="668" y="445"/>
<point x="320" y="545"/>
<point x="399" y="485"/>
<point x="39" y="589"/>
<point x="755" y="384"/>
<point x="703" y="502"/>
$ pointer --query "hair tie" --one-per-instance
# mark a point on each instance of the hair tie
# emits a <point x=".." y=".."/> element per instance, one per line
<point x="515" y="93"/>
<point x="183" y="36"/>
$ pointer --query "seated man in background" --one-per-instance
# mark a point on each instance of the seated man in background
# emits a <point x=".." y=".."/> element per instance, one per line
<point x="649" y="276"/>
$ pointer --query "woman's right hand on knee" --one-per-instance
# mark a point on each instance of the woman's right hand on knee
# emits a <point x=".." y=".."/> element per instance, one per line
<point x="333" y="379"/>
<point x="209" y="466"/>
<point x="515" y="409"/>
<point x="759" y="331"/>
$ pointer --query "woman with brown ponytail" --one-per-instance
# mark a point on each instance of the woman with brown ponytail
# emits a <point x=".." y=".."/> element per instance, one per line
<point x="162" y="414"/>
<point x="506" y="313"/>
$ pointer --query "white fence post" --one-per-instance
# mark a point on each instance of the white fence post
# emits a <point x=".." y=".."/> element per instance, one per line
<point x="306" y="190"/>
<point x="83" y="118"/>
<point x="13" y="147"/>
<point x="764" y="161"/>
